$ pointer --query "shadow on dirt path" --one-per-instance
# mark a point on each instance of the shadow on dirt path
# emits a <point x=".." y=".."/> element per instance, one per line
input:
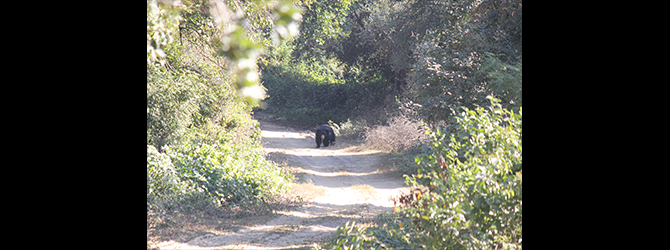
<point x="340" y="182"/>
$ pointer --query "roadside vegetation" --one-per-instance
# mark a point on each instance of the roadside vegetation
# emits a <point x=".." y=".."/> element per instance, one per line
<point x="203" y="147"/>
<point x="467" y="190"/>
<point x="437" y="84"/>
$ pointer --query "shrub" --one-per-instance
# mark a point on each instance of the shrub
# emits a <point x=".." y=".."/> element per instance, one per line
<point x="367" y="238"/>
<point x="163" y="183"/>
<point x="401" y="134"/>
<point x="349" y="129"/>
<point x="468" y="193"/>
<point x="203" y="149"/>
<point x="214" y="167"/>
<point x="171" y="105"/>
<point x="228" y="166"/>
<point x="474" y="180"/>
<point x="177" y="100"/>
<point x="166" y="191"/>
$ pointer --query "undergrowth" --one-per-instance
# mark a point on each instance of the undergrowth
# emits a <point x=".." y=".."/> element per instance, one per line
<point x="312" y="90"/>
<point x="349" y="129"/>
<point x="204" y="150"/>
<point x="467" y="190"/>
<point x="214" y="168"/>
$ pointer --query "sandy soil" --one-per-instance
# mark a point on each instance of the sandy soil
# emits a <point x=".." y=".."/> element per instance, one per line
<point x="341" y="183"/>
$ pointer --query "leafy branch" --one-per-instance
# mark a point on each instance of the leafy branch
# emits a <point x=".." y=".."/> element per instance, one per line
<point x="233" y="42"/>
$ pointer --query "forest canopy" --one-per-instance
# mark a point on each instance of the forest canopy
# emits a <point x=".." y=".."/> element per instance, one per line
<point x="367" y="57"/>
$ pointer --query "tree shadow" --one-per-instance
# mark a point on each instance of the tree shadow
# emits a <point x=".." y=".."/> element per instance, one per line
<point x="340" y="171"/>
<point x="297" y="229"/>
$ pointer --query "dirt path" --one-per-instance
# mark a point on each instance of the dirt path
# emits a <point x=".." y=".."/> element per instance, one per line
<point x="341" y="183"/>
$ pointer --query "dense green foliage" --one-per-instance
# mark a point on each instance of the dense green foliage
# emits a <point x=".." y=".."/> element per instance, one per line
<point x="213" y="166"/>
<point x="203" y="147"/>
<point x="469" y="190"/>
<point x="437" y="54"/>
<point x="315" y="90"/>
<point x="315" y="78"/>
<point x="229" y="172"/>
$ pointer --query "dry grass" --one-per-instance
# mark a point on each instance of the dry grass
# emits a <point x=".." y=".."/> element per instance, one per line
<point x="183" y="227"/>
<point x="402" y="133"/>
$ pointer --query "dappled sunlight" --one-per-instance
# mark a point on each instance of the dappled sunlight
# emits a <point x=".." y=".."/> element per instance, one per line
<point x="306" y="225"/>
<point x="344" y="174"/>
<point x="338" y="184"/>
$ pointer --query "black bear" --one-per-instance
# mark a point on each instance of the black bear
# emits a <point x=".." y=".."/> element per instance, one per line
<point x="324" y="133"/>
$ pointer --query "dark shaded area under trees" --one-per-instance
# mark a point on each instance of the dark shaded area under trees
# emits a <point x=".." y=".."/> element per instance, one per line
<point x="364" y="59"/>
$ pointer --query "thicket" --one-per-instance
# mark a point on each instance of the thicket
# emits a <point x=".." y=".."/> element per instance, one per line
<point x="327" y="73"/>
<point x="364" y="59"/>
<point x="315" y="91"/>
<point x="203" y="147"/>
<point x="467" y="190"/>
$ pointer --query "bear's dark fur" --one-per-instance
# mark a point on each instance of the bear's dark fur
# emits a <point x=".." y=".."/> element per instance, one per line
<point x="324" y="133"/>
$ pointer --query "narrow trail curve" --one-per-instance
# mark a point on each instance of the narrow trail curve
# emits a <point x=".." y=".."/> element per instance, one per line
<point x="341" y="183"/>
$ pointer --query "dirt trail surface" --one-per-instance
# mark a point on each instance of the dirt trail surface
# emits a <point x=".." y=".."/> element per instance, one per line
<point x="341" y="183"/>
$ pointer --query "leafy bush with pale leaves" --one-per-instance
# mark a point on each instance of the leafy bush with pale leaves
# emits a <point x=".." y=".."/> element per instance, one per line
<point x="471" y="190"/>
<point x="203" y="149"/>
<point x="349" y="129"/>
<point x="163" y="182"/>
<point x="214" y="167"/>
